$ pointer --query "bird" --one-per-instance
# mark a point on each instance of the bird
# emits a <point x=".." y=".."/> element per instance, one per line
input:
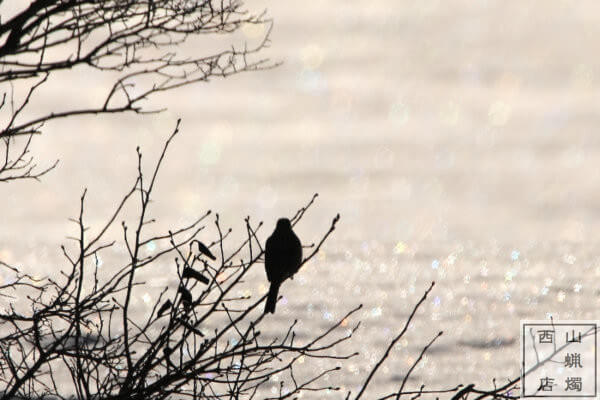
<point x="283" y="257"/>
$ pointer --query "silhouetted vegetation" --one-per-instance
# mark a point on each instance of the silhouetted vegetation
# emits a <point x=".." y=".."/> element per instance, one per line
<point x="75" y="333"/>
<point x="82" y="321"/>
<point x="136" y="43"/>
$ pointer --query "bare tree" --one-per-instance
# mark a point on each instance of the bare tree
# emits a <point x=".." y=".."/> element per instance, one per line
<point x="83" y="323"/>
<point x="140" y="41"/>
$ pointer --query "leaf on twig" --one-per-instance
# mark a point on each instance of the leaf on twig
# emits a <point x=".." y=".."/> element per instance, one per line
<point x="164" y="308"/>
<point x="186" y="296"/>
<point x="190" y="272"/>
<point x="204" y="250"/>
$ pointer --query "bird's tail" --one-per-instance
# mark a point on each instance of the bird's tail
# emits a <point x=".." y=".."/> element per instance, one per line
<point x="272" y="298"/>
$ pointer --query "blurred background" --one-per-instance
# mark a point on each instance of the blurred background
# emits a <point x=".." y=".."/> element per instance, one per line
<point x="457" y="139"/>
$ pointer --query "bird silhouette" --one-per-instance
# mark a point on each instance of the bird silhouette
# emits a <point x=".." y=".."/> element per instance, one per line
<point x="283" y="256"/>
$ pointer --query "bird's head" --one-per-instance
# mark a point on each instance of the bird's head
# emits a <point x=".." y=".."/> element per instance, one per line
<point x="284" y="223"/>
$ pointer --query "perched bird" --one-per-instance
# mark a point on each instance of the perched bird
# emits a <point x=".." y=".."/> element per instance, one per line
<point x="283" y="256"/>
